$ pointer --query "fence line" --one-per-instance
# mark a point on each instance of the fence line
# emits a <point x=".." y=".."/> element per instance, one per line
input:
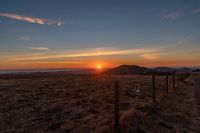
<point x="180" y="78"/>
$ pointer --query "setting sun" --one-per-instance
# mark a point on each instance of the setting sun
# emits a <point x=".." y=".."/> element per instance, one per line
<point x="99" y="67"/>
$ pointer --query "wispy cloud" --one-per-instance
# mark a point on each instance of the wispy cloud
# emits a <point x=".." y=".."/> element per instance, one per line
<point x="152" y="56"/>
<point x="177" y="45"/>
<point x="32" y="19"/>
<point x="197" y="51"/>
<point x="196" y="11"/>
<point x="57" y="62"/>
<point x="145" y="53"/>
<point x="39" y="48"/>
<point x="172" y="15"/>
<point x="183" y="41"/>
<point x="26" y="38"/>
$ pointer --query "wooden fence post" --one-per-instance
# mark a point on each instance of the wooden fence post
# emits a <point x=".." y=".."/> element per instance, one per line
<point x="181" y="78"/>
<point x="167" y="83"/>
<point x="174" y="80"/>
<point x="177" y="79"/>
<point x="153" y="87"/>
<point x="116" y="106"/>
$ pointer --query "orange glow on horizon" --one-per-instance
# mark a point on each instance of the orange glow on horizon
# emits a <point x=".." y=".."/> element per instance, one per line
<point x="98" y="65"/>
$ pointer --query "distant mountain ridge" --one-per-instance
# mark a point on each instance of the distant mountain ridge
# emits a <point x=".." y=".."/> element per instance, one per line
<point x="164" y="69"/>
<point x="138" y="70"/>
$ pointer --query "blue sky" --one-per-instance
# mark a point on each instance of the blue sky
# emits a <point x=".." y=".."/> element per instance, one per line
<point x="156" y="32"/>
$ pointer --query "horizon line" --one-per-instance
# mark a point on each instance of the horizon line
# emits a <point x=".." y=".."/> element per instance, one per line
<point x="53" y="68"/>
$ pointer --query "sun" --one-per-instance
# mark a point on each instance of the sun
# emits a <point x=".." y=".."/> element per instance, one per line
<point x="99" y="67"/>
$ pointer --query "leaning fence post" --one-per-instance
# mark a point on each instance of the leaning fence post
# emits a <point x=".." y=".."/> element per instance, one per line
<point x="174" y="80"/>
<point x="167" y="83"/>
<point x="116" y="106"/>
<point x="153" y="87"/>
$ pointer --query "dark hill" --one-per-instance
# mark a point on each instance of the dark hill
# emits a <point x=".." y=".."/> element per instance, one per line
<point x="128" y="70"/>
<point x="138" y="70"/>
<point x="164" y="69"/>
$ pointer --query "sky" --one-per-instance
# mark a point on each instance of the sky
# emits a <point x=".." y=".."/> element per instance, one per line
<point x="87" y="33"/>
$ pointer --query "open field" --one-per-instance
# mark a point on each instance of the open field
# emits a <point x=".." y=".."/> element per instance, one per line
<point x="69" y="103"/>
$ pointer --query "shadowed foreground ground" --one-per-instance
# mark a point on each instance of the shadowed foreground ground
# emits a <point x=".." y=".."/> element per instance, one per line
<point x="84" y="104"/>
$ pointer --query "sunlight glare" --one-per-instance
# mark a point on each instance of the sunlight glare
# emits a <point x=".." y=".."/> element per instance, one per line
<point x="98" y="67"/>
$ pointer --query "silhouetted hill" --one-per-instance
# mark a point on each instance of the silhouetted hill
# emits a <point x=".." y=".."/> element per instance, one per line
<point x="164" y="69"/>
<point x="184" y="69"/>
<point x="128" y="70"/>
<point x="138" y="70"/>
<point x="196" y="70"/>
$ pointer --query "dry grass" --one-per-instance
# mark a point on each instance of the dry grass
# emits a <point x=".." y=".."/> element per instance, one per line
<point x="175" y="112"/>
<point x="73" y="103"/>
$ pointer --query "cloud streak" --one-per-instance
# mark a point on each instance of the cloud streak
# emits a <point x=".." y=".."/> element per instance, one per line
<point x="152" y="56"/>
<point x="59" y="62"/>
<point x="195" y="51"/>
<point x="145" y="53"/>
<point x="25" y="38"/>
<point x="34" y="20"/>
<point x="172" y="16"/>
<point x="196" y="11"/>
<point x="39" y="48"/>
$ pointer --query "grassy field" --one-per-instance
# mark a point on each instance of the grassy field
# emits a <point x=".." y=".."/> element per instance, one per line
<point x="76" y="103"/>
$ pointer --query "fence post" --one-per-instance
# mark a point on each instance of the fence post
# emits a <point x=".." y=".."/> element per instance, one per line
<point x="153" y="87"/>
<point x="167" y="83"/>
<point x="181" y="78"/>
<point x="116" y="106"/>
<point x="177" y="79"/>
<point x="174" y="80"/>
